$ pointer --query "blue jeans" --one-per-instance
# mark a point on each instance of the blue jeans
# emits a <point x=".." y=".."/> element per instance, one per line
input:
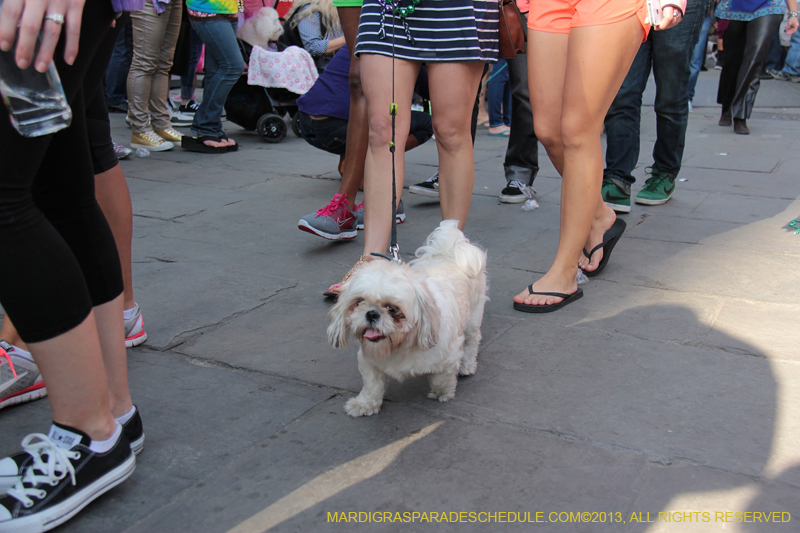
<point x="792" y="64"/>
<point x="118" y="66"/>
<point x="187" y="80"/>
<point x="775" y="56"/>
<point x="498" y="95"/>
<point x="223" y="66"/>
<point x="667" y="53"/>
<point x="699" y="56"/>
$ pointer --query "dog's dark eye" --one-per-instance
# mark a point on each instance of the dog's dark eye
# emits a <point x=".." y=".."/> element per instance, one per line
<point x="359" y="301"/>
<point x="394" y="312"/>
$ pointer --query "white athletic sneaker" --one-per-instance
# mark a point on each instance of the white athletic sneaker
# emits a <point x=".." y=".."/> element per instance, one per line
<point x="134" y="329"/>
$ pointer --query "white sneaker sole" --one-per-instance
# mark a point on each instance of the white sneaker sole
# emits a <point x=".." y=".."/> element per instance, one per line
<point x="138" y="445"/>
<point x="644" y="201"/>
<point x="24" y="398"/>
<point x="343" y="236"/>
<point x="619" y="208"/>
<point x="130" y="343"/>
<point x="160" y="148"/>
<point x="423" y="191"/>
<point x="515" y="199"/>
<point x="58" y="514"/>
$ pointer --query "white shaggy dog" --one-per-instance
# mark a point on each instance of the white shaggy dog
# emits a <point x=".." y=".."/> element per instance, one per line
<point x="262" y="28"/>
<point x="420" y="318"/>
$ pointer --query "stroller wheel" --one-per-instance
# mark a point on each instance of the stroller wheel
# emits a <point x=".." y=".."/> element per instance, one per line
<point x="272" y="128"/>
<point x="296" y="125"/>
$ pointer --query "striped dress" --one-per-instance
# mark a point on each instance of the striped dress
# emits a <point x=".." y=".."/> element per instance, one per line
<point x="439" y="30"/>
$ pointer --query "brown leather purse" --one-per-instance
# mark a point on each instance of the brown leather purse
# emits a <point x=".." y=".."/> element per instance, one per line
<point x="512" y="35"/>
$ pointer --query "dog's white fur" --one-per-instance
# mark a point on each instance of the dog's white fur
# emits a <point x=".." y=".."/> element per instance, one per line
<point x="422" y="318"/>
<point x="262" y="28"/>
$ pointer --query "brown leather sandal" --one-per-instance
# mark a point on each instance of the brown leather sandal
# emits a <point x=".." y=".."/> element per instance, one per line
<point x="334" y="290"/>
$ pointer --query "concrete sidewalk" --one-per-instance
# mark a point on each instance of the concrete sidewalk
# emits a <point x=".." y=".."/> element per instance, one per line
<point x="673" y="387"/>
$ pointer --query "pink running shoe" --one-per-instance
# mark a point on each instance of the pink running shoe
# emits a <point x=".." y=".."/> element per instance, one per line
<point x="335" y="221"/>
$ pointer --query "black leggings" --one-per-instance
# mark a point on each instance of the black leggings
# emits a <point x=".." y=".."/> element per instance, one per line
<point x="60" y="258"/>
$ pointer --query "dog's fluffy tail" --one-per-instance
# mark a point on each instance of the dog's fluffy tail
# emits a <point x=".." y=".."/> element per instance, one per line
<point x="448" y="243"/>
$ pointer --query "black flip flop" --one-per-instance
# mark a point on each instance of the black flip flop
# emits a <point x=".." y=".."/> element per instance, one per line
<point x="196" y="144"/>
<point x="610" y="239"/>
<point x="231" y="148"/>
<point x="567" y="299"/>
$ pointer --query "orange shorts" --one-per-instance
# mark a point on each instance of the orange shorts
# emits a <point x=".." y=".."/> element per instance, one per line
<point x="558" y="16"/>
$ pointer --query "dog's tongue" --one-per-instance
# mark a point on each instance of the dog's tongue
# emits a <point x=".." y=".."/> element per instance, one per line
<point x="372" y="334"/>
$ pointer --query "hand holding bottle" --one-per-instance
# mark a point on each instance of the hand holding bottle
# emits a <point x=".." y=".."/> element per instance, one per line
<point x="23" y="20"/>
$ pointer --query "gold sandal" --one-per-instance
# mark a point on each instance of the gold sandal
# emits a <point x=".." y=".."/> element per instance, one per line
<point x="334" y="290"/>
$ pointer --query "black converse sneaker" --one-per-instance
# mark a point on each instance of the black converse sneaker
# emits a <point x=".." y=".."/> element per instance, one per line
<point x="59" y="476"/>
<point x="516" y="192"/>
<point x="429" y="187"/>
<point x="134" y="431"/>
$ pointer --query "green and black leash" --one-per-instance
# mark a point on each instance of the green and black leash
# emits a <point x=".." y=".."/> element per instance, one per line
<point x="394" y="248"/>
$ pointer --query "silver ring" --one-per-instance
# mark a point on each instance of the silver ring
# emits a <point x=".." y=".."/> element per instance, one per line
<point x="676" y="14"/>
<point x="58" y="18"/>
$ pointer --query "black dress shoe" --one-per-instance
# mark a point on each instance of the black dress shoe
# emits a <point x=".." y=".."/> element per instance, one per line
<point x="740" y="126"/>
<point x="725" y="119"/>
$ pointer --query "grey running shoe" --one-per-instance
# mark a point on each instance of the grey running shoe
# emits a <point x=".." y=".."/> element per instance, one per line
<point x="334" y="222"/>
<point x="516" y="192"/>
<point x="399" y="216"/>
<point x="134" y="329"/>
<point x="123" y="152"/>
<point x="20" y="380"/>
<point x="429" y="187"/>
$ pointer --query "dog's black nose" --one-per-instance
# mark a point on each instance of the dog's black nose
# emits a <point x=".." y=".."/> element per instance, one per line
<point x="373" y="316"/>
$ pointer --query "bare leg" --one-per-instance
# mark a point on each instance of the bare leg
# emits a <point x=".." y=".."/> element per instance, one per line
<point x="592" y="77"/>
<point x="378" y="166"/>
<point x="452" y="88"/>
<point x="357" y="125"/>
<point x="114" y="198"/>
<point x="111" y="333"/>
<point x="9" y="334"/>
<point x="72" y="367"/>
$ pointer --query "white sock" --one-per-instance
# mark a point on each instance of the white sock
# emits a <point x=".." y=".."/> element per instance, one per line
<point x="127" y="416"/>
<point x="102" y="446"/>
<point x="128" y="313"/>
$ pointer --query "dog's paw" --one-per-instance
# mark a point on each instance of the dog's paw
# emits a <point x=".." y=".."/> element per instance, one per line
<point x="468" y="369"/>
<point x="441" y="397"/>
<point x="358" y="407"/>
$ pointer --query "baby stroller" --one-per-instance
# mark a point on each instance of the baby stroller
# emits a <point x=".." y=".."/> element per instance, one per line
<point x="261" y="109"/>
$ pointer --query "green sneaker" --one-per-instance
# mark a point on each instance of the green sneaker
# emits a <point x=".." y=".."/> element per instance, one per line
<point x="615" y="196"/>
<point x="657" y="189"/>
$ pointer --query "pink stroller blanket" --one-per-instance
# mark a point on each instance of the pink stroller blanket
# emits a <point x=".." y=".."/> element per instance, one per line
<point x="292" y="69"/>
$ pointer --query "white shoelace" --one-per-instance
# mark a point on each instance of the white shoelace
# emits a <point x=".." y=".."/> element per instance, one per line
<point x="527" y="190"/>
<point x="56" y="468"/>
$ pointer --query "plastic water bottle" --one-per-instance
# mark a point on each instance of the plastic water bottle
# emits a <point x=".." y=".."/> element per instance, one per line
<point x="35" y="100"/>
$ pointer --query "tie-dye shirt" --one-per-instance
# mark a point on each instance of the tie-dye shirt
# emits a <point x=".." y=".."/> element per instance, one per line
<point x="217" y="7"/>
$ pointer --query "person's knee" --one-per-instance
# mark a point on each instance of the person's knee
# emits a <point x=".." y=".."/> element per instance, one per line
<point x="576" y="133"/>
<point x="450" y="136"/>
<point x="548" y="133"/>
<point x="380" y="130"/>
<point x="354" y="79"/>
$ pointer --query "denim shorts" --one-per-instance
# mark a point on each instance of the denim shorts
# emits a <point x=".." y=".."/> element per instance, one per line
<point x="329" y="134"/>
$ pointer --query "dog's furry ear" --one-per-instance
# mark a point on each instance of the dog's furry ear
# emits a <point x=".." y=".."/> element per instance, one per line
<point x="427" y="330"/>
<point x="337" y="333"/>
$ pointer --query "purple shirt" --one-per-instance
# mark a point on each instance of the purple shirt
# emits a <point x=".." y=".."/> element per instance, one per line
<point x="127" y="5"/>
<point x="330" y="94"/>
